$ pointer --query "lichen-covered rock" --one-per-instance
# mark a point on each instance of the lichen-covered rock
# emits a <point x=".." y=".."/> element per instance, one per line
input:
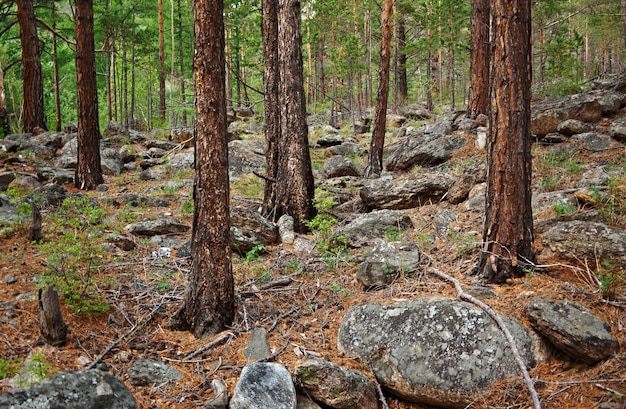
<point x="251" y="220"/>
<point x="264" y="385"/>
<point x="335" y="386"/>
<point x="572" y="329"/>
<point x="546" y="115"/>
<point x="89" y="389"/>
<point x="436" y="351"/>
<point x="159" y="226"/>
<point x="387" y="261"/>
<point x="571" y="127"/>
<point x="418" y="152"/>
<point x="370" y="227"/>
<point x="405" y="193"/>
<point x="338" y="166"/>
<point x="144" y="372"/>
<point x="578" y="240"/>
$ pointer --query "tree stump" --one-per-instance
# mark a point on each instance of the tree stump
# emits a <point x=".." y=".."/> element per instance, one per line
<point x="51" y="324"/>
<point x="34" y="232"/>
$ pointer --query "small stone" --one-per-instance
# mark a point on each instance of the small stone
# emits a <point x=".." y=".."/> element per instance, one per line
<point x="258" y="348"/>
<point x="10" y="279"/>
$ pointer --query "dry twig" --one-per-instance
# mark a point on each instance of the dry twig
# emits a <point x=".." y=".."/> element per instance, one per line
<point x="518" y="358"/>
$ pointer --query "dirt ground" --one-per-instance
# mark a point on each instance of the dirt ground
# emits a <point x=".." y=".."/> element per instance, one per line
<point x="301" y="314"/>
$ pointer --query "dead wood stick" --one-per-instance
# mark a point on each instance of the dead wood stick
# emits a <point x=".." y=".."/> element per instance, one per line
<point x="381" y="396"/>
<point x="509" y="337"/>
<point x="210" y="345"/>
<point x="134" y="328"/>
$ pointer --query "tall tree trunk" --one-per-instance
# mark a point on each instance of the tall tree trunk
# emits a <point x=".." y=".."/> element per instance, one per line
<point x="623" y="2"/>
<point x="209" y="305"/>
<point x="375" y="161"/>
<point x="109" y="56"/>
<point x="295" y="188"/>
<point x="181" y="58"/>
<point x="88" y="171"/>
<point x="271" y="81"/>
<point x="124" y="85"/>
<point x="479" y="59"/>
<point x="508" y="229"/>
<point x="4" y="118"/>
<point x="133" y="40"/>
<point x="403" y="88"/>
<point x="161" y="62"/>
<point x="55" y="75"/>
<point x="34" y="114"/>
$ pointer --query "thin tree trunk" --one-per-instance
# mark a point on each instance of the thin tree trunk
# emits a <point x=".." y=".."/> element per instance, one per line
<point x="271" y="81"/>
<point x="34" y="115"/>
<point x="124" y="87"/>
<point x="508" y="229"/>
<point x="623" y="3"/>
<point x="181" y="57"/>
<point x="55" y="75"/>
<point x="88" y="170"/>
<point x="295" y="185"/>
<point x="403" y="88"/>
<point x="479" y="59"/>
<point x="4" y="118"/>
<point x="161" y="62"/>
<point x="375" y="162"/>
<point x="209" y="301"/>
<point x="132" y="74"/>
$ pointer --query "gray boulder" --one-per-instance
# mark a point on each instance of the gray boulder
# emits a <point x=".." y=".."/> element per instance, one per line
<point x="335" y="386"/>
<point x="264" y="385"/>
<point x="242" y="241"/>
<point x="416" y="112"/>
<point x="370" y="227"/>
<point x="414" y="152"/>
<point x="474" y="174"/>
<point x="609" y="101"/>
<point x="258" y="347"/>
<point x="436" y="351"/>
<point x="617" y="130"/>
<point x="578" y="240"/>
<point x="387" y="261"/>
<point x="571" y="127"/>
<point x="593" y="141"/>
<point x="89" y="389"/>
<point x="156" y="227"/>
<point x="182" y="161"/>
<point x="338" y="166"/>
<point x="111" y="162"/>
<point x="329" y="140"/>
<point x="245" y="218"/>
<point x="572" y="329"/>
<point x="347" y="149"/>
<point x="405" y="193"/>
<point x="145" y="372"/>
<point x="245" y="157"/>
<point x="546" y="115"/>
<point x="55" y="175"/>
<point x="7" y="145"/>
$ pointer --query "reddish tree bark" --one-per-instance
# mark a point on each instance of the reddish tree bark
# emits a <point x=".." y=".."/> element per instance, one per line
<point x="161" y="61"/>
<point x="88" y="171"/>
<point x="34" y="115"/>
<point x="508" y="229"/>
<point x="479" y="59"/>
<point x="209" y="305"/>
<point x="4" y="118"/>
<point x="375" y="161"/>
<point x="294" y="187"/>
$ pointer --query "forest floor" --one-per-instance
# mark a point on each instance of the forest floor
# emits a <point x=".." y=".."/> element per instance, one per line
<point x="302" y="315"/>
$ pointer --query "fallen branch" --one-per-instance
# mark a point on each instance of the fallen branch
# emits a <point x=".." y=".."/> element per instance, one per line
<point x="210" y="345"/>
<point x="134" y="328"/>
<point x="381" y="396"/>
<point x="518" y="358"/>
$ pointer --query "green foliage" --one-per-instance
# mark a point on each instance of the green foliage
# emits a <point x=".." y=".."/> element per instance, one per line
<point x="609" y="281"/>
<point x="34" y="370"/>
<point x="254" y="253"/>
<point x="9" y="367"/>
<point x="249" y="186"/>
<point x="187" y="207"/>
<point x="72" y="257"/>
<point x="339" y="289"/>
<point x="563" y="208"/>
<point x="392" y="233"/>
<point x="550" y="183"/>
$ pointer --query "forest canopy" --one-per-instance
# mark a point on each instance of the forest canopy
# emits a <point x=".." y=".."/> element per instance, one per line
<point x="142" y="64"/>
